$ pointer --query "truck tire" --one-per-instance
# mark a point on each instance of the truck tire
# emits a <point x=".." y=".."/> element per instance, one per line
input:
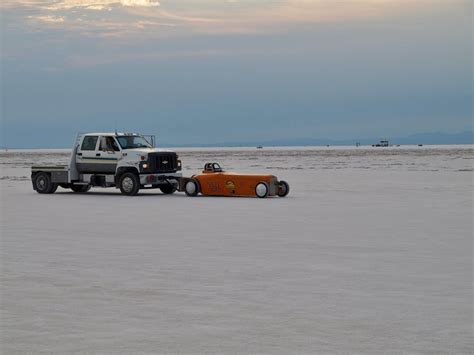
<point x="129" y="184"/>
<point x="191" y="188"/>
<point x="43" y="183"/>
<point x="168" y="189"/>
<point x="261" y="190"/>
<point x="283" y="188"/>
<point x="80" y="188"/>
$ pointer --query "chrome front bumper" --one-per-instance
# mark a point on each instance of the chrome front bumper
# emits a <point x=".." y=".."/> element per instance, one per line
<point x="156" y="179"/>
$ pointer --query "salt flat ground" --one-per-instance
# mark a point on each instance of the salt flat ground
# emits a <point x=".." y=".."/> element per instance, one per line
<point x="371" y="252"/>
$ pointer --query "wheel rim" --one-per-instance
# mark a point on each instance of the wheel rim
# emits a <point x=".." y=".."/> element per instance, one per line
<point x="190" y="187"/>
<point x="127" y="184"/>
<point x="283" y="189"/>
<point x="261" y="190"/>
<point x="41" y="183"/>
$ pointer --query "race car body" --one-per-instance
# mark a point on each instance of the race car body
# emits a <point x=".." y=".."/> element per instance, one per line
<point x="213" y="181"/>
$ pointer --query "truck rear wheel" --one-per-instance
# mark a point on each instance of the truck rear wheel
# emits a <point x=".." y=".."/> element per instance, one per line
<point x="80" y="188"/>
<point x="283" y="188"/>
<point x="43" y="184"/>
<point x="168" y="189"/>
<point x="129" y="184"/>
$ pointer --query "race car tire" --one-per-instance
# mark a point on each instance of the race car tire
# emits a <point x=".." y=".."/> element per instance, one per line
<point x="261" y="190"/>
<point x="283" y="188"/>
<point x="191" y="188"/>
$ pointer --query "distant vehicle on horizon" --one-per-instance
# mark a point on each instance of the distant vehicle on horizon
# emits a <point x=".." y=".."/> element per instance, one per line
<point x="383" y="143"/>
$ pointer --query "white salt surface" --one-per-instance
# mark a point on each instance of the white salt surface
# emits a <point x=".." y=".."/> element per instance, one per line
<point x="371" y="252"/>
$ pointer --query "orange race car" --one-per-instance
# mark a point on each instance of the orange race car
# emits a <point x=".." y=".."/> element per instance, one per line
<point x="215" y="182"/>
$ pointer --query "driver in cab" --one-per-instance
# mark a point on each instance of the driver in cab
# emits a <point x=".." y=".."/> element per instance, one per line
<point x="109" y="145"/>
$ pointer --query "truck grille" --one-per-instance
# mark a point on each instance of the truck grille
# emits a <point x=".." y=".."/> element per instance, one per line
<point x="162" y="162"/>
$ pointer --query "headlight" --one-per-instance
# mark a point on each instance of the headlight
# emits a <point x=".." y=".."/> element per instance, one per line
<point x="145" y="166"/>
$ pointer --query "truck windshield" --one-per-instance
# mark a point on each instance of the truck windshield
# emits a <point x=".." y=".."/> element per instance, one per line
<point x="131" y="142"/>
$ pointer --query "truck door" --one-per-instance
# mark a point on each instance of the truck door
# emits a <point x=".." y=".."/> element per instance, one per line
<point x="108" y="154"/>
<point x="86" y="154"/>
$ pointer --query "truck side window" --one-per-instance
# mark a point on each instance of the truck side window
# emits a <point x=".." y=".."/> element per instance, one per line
<point x="108" y="144"/>
<point x="89" y="143"/>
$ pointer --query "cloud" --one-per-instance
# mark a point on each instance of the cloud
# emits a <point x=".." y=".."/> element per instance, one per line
<point x="97" y="7"/>
<point x="99" y="4"/>
<point x="146" y="3"/>
<point x="48" y="19"/>
<point x="144" y="24"/>
<point x="214" y="17"/>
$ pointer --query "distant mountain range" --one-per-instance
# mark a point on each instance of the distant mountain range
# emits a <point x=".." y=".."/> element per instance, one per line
<point x="466" y="137"/>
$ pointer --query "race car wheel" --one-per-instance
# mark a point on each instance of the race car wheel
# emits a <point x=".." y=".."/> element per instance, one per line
<point x="129" y="184"/>
<point x="191" y="188"/>
<point x="80" y="188"/>
<point x="44" y="185"/>
<point x="168" y="189"/>
<point x="283" y="188"/>
<point x="261" y="190"/>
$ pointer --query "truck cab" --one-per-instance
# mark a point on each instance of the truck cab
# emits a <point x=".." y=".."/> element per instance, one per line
<point x="98" y="154"/>
<point x="127" y="161"/>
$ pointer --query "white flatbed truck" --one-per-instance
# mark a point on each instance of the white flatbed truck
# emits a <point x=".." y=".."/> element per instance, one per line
<point x="127" y="161"/>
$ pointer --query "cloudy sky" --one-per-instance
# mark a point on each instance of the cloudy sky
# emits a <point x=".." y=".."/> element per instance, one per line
<point x="206" y="71"/>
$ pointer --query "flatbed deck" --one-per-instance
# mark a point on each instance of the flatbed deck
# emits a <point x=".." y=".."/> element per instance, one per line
<point x="49" y="167"/>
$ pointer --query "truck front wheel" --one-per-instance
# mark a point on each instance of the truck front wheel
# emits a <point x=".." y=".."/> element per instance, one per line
<point x="129" y="184"/>
<point x="44" y="185"/>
